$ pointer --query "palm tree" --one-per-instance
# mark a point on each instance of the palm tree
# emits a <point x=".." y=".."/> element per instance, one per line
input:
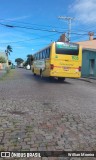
<point x="8" y="50"/>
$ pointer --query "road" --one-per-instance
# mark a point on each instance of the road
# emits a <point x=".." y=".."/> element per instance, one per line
<point x="42" y="114"/>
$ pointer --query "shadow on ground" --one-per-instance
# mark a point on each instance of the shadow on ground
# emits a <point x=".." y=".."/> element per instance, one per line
<point x="45" y="79"/>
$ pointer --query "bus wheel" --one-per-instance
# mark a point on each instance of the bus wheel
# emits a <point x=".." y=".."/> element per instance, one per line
<point x="41" y="74"/>
<point x="34" y="74"/>
<point x="61" y="79"/>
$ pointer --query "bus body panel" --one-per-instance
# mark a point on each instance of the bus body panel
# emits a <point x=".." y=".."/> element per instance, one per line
<point x="66" y="65"/>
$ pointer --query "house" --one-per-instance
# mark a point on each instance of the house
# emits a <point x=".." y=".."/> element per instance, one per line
<point x="91" y="43"/>
<point x="88" y="63"/>
<point x="88" y="56"/>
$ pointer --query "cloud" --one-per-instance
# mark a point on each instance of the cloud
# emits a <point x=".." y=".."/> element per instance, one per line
<point x="84" y="11"/>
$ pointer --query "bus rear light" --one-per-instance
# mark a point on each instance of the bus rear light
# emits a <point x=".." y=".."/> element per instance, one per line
<point x="79" y="68"/>
<point x="51" y="66"/>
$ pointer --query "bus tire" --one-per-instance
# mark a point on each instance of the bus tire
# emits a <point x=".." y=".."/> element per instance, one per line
<point x="41" y="73"/>
<point x="61" y="79"/>
<point x="34" y="74"/>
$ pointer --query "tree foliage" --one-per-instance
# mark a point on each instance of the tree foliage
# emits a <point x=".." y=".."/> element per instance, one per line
<point x="8" y="50"/>
<point x="2" y="59"/>
<point x="19" y="60"/>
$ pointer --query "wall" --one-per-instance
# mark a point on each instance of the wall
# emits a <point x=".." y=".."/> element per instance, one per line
<point x="88" y="67"/>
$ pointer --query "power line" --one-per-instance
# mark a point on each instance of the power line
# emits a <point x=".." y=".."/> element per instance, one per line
<point x="9" y="20"/>
<point x="32" y="28"/>
<point x="23" y="27"/>
<point x="25" y="40"/>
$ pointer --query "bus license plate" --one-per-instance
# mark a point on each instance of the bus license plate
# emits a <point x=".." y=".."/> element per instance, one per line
<point x="66" y="68"/>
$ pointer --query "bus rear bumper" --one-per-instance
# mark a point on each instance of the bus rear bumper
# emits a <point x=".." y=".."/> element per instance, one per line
<point x="66" y="75"/>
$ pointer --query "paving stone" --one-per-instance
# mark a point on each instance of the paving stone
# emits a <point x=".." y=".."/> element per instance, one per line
<point x="37" y="114"/>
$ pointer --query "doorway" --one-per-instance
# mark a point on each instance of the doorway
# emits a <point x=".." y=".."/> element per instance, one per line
<point x="92" y="65"/>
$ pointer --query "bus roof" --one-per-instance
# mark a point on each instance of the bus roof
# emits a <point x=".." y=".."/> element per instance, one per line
<point x="43" y="48"/>
<point x="53" y="43"/>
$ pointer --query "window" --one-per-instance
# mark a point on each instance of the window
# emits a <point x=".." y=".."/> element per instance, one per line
<point x="47" y="52"/>
<point x="40" y="55"/>
<point x="43" y="54"/>
<point x="67" y="48"/>
<point x="37" y="55"/>
<point x="34" y="56"/>
<point x="92" y="66"/>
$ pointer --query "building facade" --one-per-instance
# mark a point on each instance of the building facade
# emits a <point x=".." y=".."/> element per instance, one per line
<point x="89" y="56"/>
<point x="88" y="63"/>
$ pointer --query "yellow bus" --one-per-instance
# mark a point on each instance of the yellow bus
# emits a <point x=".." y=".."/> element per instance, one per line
<point x="59" y="59"/>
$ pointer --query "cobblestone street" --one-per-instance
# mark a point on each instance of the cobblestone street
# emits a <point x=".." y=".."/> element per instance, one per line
<point x="45" y="115"/>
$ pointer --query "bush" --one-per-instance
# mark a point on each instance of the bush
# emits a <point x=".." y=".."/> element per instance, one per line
<point x="7" y="69"/>
<point x="2" y="59"/>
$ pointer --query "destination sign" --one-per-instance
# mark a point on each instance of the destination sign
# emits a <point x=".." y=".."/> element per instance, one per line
<point x="66" y="45"/>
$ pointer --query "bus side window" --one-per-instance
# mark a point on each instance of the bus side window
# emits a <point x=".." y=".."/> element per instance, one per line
<point x="43" y="55"/>
<point x="40" y="55"/>
<point x="48" y="52"/>
<point x="36" y="57"/>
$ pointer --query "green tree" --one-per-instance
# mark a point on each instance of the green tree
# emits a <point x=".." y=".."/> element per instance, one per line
<point x="30" y="59"/>
<point x="2" y="59"/>
<point x="19" y="61"/>
<point x="8" y="50"/>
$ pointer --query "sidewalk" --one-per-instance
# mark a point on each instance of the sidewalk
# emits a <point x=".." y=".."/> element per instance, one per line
<point x="88" y="79"/>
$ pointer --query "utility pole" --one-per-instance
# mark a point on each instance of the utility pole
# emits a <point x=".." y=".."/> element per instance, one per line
<point x="69" y="19"/>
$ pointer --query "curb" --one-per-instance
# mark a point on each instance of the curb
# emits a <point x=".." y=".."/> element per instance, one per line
<point x="90" y="80"/>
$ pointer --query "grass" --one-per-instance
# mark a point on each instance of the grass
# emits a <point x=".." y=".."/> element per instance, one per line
<point x="8" y="74"/>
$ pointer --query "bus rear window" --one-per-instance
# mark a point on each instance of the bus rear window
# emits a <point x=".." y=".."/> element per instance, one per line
<point x="67" y="48"/>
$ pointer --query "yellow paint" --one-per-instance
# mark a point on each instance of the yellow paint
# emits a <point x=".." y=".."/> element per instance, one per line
<point x="64" y="65"/>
